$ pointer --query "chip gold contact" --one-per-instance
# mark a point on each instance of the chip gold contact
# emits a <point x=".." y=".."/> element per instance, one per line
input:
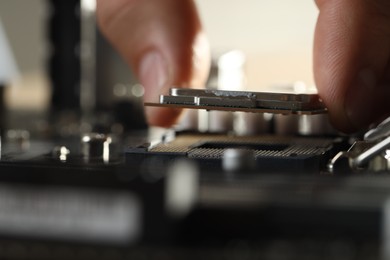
<point x="245" y="101"/>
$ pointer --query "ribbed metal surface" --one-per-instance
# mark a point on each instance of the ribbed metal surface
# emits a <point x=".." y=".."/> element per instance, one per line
<point x="214" y="146"/>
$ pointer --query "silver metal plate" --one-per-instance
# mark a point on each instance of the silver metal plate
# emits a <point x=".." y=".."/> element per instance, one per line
<point x="246" y="101"/>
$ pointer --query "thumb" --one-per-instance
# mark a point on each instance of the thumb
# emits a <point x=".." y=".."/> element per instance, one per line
<point x="162" y="41"/>
<point x="351" y="60"/>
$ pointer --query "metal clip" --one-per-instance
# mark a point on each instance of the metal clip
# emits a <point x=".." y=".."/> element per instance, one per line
<point x="359" y="156"/>
<point x="381" y="131"/>
<point x="363" y="158"/>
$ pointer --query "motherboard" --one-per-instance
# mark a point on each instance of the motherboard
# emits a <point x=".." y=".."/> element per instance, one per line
<point x="156" y="193"/>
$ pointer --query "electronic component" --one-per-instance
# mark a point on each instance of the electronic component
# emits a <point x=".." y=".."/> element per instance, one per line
<point x="371" y="154"/>
<point x="270" y="153"/>
<point x="258" y="102"/>
<point x="260" y="188"/>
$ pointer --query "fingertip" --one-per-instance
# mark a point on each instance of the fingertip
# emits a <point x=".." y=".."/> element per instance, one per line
<point x="154" y="74"/>
<point x="201" y="60"/>
<point x="163" y="117"/>
<point x="342" y="122"/>
<point x="163" y="43"/>
<point x="186" y="66"/>
<point x="351" y="53"/>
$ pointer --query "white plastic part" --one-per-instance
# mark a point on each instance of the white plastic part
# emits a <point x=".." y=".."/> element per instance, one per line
<point x="182" y="187"/>
<point x="8" y="69"/>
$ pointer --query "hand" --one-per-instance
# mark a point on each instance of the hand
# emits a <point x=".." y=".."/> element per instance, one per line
<point x="351" y="60"/>
<point x="162" y="41"/>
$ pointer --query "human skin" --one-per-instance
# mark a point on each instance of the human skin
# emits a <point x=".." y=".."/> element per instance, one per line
<point x="163" y="42"/>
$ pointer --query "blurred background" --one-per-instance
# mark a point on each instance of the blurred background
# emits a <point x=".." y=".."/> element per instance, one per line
<point x="274" y="36"/>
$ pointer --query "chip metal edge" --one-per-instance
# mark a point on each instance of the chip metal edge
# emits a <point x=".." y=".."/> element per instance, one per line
<point x="244" y="101"/>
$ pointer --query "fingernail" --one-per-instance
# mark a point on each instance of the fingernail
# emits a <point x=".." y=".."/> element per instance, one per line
<point x="360" y="99"/>
<point x="153" y="74"/>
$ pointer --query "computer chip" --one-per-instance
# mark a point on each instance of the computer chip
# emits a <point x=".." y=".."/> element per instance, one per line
<point x="246" y="101"/>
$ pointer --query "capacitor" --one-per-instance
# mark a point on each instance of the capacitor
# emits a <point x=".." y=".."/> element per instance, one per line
<point x="237" y="159"/>
<point x="61" y="153"/>
<point x="96" y="146"/>
<point x="247" y="124"/>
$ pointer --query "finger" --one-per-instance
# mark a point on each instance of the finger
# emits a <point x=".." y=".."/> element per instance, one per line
<point x="162" y="41"/>
<point x="351" y="60"/>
